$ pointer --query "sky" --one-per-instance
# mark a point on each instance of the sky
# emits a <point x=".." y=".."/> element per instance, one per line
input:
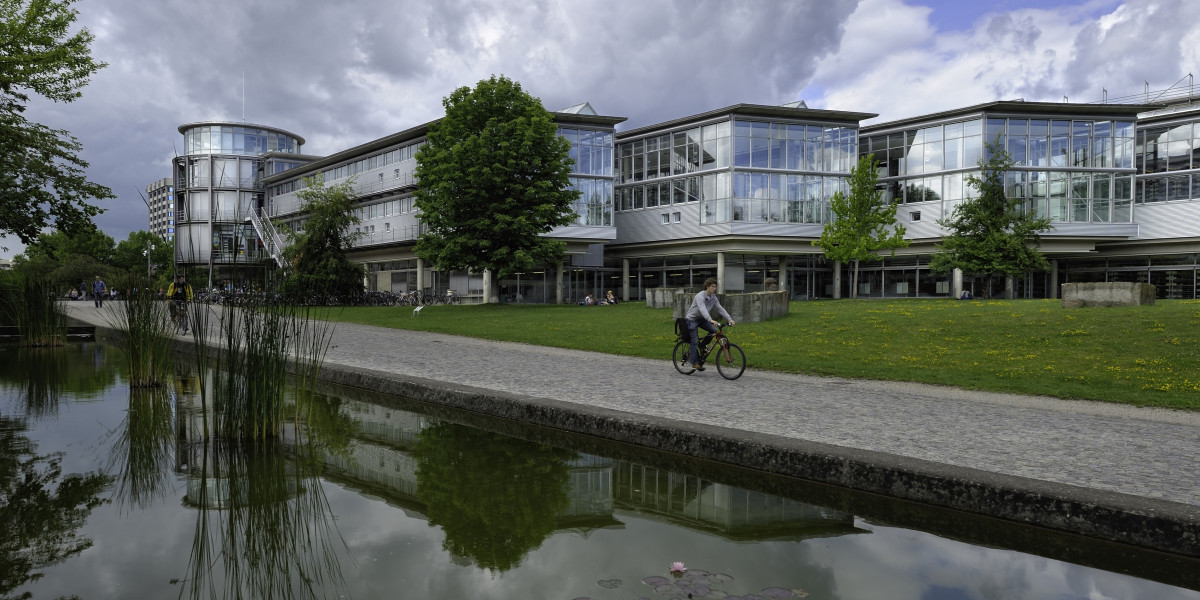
<point x="341" y="74"/>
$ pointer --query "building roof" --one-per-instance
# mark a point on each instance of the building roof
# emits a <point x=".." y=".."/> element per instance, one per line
<point x="1128" y="111"/>
<point x="183" y="128"/>
<point x="787" y="111"/>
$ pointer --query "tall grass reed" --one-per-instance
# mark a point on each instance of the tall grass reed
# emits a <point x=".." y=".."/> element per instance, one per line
<point x="30" y="303"/>
<point x="144" y="333"/>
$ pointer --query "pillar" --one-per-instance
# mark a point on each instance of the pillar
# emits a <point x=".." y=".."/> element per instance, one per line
<point x="420" y="275"/>
<point x="558" y="284"/>
<point x="1008" y="287"/>
<point x="1053" y="280"/>
<point x="720" y="272"/>
<point x="956" y="283"/>
<point x="490" y="295"/>
<point x="837" y="279"/>
<point x="624" y="280"/>
<point x="783" y="273"/>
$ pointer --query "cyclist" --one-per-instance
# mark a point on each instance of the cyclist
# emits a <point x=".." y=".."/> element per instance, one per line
<point x="699" y="315"/>
<point x="180" y="293"/>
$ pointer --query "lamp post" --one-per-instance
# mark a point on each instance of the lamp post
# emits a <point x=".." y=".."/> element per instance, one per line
<point x="149" y="248"/>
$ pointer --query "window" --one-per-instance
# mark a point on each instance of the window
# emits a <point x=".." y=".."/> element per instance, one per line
<point x="676" y="217"/>
<point x="666" y="218"/>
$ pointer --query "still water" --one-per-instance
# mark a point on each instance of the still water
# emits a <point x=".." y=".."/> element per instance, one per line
<point x="108" y="493"/>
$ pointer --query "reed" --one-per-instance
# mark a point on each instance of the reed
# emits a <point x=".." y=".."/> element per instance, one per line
<point x="144" y="333"/>
<point x="30" y="303"/>
<point x="141" y="456"/>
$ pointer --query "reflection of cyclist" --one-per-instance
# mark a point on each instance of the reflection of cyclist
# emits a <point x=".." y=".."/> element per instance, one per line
<point x="699" y="316"/>
<point x="180" y="293"/>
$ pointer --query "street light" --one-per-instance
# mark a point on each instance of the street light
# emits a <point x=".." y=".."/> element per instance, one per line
<point x="149" y="248"/>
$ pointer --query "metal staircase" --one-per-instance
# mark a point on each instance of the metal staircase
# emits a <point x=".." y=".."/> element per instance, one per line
<point x="272" y="241"/>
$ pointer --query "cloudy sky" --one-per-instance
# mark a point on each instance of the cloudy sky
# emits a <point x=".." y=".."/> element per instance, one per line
<point x="340" y="74"/>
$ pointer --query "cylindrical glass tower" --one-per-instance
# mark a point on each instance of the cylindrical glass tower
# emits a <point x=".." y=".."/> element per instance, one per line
<point x="218" y="188"/>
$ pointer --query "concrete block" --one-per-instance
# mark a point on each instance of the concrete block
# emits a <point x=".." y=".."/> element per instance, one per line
<point x="754" y="307"/>
<point x="1077" y="295"/>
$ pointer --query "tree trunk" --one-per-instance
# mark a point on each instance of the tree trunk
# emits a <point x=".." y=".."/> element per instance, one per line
<point x="854" y="280"/>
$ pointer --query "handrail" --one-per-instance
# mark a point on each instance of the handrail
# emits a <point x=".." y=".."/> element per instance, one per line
<point x="268" y="234"/>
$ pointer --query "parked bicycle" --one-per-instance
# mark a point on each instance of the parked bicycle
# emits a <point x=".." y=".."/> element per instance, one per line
<point x="728" y="356"/>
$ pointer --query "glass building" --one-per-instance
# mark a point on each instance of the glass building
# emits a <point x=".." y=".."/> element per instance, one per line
<point x="217" y="189"/>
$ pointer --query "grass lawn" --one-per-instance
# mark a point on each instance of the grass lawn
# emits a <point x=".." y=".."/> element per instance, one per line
<point x="1147" y="355"/>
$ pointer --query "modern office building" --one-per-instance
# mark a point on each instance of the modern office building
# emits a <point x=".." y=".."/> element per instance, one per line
<point x="218" y="193"/>
<point x="160" y="202"/>
<point x="382" y="174"/>
<point x="741" y="193"/>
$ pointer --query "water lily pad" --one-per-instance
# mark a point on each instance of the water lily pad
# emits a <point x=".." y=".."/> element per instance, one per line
<point x="777" y="593"/>
<point x="667" y="590"/>
<point x="610" y="584"/>
<point x="656" y="581"/>
<point x="721" y="577"/>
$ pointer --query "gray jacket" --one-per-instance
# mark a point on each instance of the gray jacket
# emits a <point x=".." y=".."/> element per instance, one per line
<point x="702" y="305"/>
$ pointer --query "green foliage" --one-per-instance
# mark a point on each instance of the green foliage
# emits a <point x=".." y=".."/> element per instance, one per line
<point x="495" y="497"/>
<point x="991" y="234"/>
<point x="129" y="256"/>
<point x="30" y="303"/>
<point x="317" y="254"/>
<point x="41" y="511"/>
<point x="494" y="177"/>
<point x="65" y="260"/>
<point x="862" y="224"/>
<point x="145" y="333"/>
<point x="42" y="178"/>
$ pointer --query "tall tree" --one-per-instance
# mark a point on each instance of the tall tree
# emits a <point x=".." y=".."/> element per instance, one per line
<point x="130" y="256"/>
<point x="317" y="253"/>
<point x="991" y="234"/>
<point x="42" y="179"/>
<point x="494" y="177"/>
<point x="862" y="224"/>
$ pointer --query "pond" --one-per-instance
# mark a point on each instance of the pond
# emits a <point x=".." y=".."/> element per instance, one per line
<point x="108" y="493"/>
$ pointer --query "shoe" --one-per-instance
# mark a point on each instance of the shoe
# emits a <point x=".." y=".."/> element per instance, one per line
<point x="698" y="366"/>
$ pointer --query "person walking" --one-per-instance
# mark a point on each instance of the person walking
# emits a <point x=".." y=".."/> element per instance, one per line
<point x="99" y="289"/>
<point x="699" y="316"/>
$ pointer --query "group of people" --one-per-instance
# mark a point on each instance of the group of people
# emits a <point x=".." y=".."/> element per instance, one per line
<point x="589" y="300"/>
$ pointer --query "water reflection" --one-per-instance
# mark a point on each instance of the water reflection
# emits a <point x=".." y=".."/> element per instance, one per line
<point x="141" y="457"/>
<point x="263" y="528"/>
<point x="40" y="376"/>
<point x="41" y="511"/>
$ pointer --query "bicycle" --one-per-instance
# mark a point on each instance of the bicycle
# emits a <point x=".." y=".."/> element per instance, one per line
<point x="179" y="316"/>
<point x="729" y="357"/>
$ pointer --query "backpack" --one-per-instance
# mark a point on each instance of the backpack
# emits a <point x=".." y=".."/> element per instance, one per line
<point x="681" y="330"/>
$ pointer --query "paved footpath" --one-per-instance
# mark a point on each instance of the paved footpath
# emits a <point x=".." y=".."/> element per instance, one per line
<point x="1140" y="460"/>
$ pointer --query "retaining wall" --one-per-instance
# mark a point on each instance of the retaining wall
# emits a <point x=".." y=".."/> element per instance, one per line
<point x="754" y="307"/>
<point x="1076" y="295"/>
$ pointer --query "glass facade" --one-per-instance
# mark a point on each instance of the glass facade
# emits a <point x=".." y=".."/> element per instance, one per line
<point x="237" y="140"/>
<point x="739" y="170"/>
<point x="1168" y="163"/>
<point x="591" y="156"/>
<point x="1067" y="170"/>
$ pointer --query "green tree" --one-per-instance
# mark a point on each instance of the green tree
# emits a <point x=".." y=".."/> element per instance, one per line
<point x="317" y="253"/>
<point x="990" y="234"/>
<point x="64" y="259"/>
<point x="42" y="178"/>
<point x="494" y="177"/>
<point x="130" y="255"/>
<point x="862" y="224"/>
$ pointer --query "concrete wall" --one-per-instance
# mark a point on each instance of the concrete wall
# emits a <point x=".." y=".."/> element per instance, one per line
<point x="744" y="308"/>
<point x="665" y="297"/>
<point x="1076" y="295"/>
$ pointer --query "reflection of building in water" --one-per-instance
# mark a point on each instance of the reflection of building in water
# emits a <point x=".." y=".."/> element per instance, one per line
<point x="380" y="460"/>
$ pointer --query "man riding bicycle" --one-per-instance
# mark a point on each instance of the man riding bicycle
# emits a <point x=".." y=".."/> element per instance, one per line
<point x="699" y="315"/>
<point x="180" y="293"/>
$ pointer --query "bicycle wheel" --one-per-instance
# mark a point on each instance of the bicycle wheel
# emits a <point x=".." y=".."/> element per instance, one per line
<point x="731" y="361"/>
<point x="681" y="359"/>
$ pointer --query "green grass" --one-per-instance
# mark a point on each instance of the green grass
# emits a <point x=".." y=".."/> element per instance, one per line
<point x="1147" y="355"/>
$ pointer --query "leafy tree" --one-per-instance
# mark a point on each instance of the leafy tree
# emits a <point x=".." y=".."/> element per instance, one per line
<point x="990" y="234"/>
<point x="65" y="260"/>
<point x="317" y="254"/>
<point x="130" y="255"/>
<point x="493" y="178"/>
<point x="862" y="224"/>
<point x="42" y="179"/>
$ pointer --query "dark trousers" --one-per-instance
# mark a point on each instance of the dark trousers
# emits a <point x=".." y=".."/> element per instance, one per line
<point x="694" y="336"/>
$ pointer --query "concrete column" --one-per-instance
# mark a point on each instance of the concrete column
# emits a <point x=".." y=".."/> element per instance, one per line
<point x="558" y="284"/>
<point x="837" y="279"/>
<point x="783" y="273"/>
<point x="1008" y="287"/>
<point x="490" y="295"/>
<point x="956" y="284"/>
<point x="1053" y="280"/>
<point x="624" y="280"/>
<point x="720" y="272"/>
<point x="420" y="275"/>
